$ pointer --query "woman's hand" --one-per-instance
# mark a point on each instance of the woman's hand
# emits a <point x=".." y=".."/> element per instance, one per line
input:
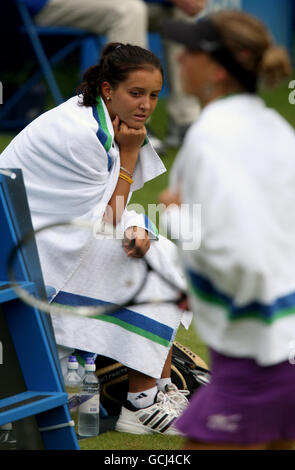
<point x="136" y="242"/>
<point x="129" y="140"/>
<point x="168" y="197"/>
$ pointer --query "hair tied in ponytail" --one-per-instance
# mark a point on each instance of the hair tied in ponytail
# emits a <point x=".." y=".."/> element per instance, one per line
<point x="275" y="66"/>
<point x="89" y="85"/>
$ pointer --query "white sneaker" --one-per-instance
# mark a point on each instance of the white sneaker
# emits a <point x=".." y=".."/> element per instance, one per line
<point x="155" y="419"/>
<point x="177" y="397"/>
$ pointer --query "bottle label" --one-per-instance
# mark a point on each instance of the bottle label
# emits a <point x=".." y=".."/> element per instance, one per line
<point x="73" y="402"/>
<point x="89" y="403"/>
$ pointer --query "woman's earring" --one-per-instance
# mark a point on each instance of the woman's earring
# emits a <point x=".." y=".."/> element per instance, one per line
<point x="108" y="98"/>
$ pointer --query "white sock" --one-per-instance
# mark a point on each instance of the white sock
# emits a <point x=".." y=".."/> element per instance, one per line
<point x="144" y="398"/>
<point x="161" y="383"/>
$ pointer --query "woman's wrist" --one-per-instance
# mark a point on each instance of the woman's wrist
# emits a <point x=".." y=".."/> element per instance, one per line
<point x="127" y="172"/>
<point x="128" y="160"/>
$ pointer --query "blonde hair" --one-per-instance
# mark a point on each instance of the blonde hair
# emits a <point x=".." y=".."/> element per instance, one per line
<point x="251" y="44"/>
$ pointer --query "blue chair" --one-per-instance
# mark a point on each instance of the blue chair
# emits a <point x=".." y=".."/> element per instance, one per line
<point x="89" y="49"/>
<point x="32" y="393"/>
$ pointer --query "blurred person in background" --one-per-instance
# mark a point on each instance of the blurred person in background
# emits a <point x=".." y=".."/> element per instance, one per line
<point x="238" y="162"/>
<point x="182" y="109"/>
<point x="124" y="21"/>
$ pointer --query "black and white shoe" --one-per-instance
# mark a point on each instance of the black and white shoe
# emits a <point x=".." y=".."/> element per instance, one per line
<point x="155" y="419"/>
<point x="177" y="397"/>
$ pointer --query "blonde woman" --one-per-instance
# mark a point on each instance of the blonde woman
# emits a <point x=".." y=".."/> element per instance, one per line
<point x="238" y="162"/>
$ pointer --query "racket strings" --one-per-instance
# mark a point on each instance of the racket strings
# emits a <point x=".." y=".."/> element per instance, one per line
<point x="56" y="308"/>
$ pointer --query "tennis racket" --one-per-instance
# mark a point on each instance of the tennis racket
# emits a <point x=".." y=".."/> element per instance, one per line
<point x="55" y="308"/>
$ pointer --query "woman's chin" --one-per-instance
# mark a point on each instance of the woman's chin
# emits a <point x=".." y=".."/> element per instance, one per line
<point x="133" y="123"/>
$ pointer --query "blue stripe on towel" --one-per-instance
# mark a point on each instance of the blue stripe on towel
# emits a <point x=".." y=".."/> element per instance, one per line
<point x="125" y="316"/>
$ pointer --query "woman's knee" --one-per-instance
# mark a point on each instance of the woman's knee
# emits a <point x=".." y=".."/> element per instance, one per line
<point x="136" y="9"/>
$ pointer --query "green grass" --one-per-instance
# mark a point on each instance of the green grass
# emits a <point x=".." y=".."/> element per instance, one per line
<point x="4" y="140"/>
<point x="124" y="441"/>
<point x="149" y="195"/>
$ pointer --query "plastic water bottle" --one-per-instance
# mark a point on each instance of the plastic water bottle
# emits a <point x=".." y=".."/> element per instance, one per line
<point x="73" y="383"/>
<point x="7" y="439"/>
<point x="88" y="420"/>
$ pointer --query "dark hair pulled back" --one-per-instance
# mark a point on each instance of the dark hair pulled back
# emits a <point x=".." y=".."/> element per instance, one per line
<point x="116" y="62"/>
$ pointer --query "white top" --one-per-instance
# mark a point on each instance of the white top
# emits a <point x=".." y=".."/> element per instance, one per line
<point x="238" y="162"/>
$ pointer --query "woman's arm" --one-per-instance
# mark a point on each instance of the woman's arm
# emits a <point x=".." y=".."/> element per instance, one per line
<point x="168" y="197"/>
<point x="129" y="140"/>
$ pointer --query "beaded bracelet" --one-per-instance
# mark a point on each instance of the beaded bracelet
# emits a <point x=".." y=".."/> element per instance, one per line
<point x="126" y="171"/>
<point x="125" y="178"/>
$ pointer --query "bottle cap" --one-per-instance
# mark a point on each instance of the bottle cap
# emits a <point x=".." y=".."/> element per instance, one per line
<point x="90" y="364"/>
<point x="72" y="362"/>
<point x="89" y="360"/>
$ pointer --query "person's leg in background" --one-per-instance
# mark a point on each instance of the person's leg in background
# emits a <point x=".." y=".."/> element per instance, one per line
<point x="182" y="109"/>
<point x="121" y="21"/>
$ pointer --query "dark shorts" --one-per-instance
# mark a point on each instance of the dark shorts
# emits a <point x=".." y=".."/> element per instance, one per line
<point x="244" y="403"/>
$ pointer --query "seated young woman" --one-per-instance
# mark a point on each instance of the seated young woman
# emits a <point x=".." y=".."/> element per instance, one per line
<point x="82" y="160"/>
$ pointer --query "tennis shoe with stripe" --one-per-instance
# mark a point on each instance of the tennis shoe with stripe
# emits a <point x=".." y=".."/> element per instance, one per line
<point x="155" y="419"/>
<point x="177" y="396"/>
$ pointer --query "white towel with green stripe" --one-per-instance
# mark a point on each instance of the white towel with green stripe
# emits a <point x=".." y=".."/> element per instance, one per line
<point x="71" y="165"/>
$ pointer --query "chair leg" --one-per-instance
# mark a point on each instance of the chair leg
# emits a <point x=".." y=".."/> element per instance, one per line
<point x="6" y="108"/>
<point x="39" y="51"/>
<point x="89" y="52"/>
